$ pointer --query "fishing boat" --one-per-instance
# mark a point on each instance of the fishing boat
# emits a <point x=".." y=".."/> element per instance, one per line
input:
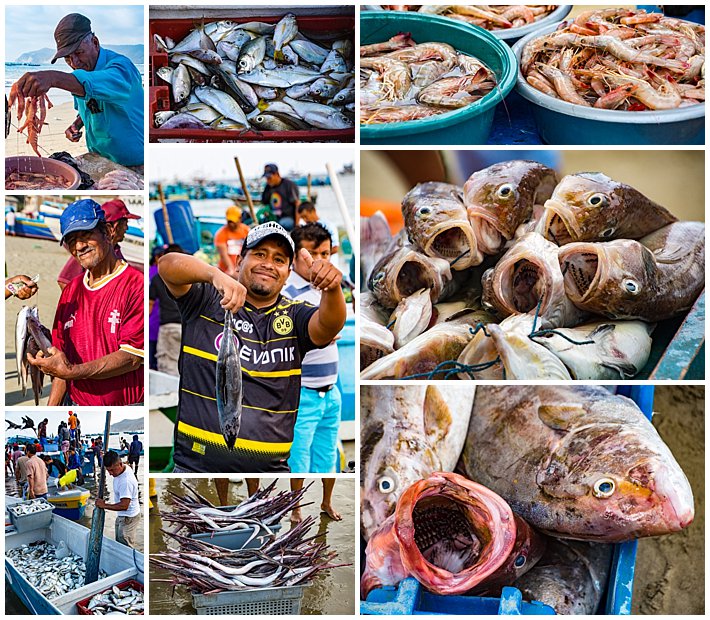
<point x="118" y="561"/>
<point x="31" y="227"/>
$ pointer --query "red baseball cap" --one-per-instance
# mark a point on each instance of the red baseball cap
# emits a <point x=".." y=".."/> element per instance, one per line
<point x="116" y="209"/>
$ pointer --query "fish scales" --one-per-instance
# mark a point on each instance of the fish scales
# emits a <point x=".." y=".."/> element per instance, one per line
<point x="229" y="383"/>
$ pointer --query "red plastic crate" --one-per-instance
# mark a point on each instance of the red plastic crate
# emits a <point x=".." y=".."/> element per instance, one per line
<point x="341" y="26"/>
<point x="131" y="583"/>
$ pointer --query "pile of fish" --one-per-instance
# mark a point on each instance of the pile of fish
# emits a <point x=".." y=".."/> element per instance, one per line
<point x="620" y="59"/>
<point x="265" y="77"/>
<point x="548" y="477"/>
<point x="35" y="112"/>
<point x="52" y="575"/>
<point x="490" y="17"/>
<point x="127" y="600"/>
<point x="292" y="558"/>
<point x="257" y="512"/>
<point x="31" y="507"/>
<point x="519" y="276"/>
<point x="16" y="179"/>
<point x="30" y="337"/>
<point x="229" y="383"/>
<point x="403" y="81"/>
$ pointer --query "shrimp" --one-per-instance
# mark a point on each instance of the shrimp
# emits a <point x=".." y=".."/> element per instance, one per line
<point x="396" y="114"/>
<point x="477" y="11"/>
<point x="616" y="98"/>
<point x="563" y="84"/>
<point x="624" y="52"/>
<point x="397" y="42"/>
<point x="395" y="76"/>
<point x="457" y="92"/>
<point x="427" y="51"/>
<point x="539" y="81"/>
<point x="519" y="12"/>
<point x="665" y="98"/>
<point x="641" y="18"/>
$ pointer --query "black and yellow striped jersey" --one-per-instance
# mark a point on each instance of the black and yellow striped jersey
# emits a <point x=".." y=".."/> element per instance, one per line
<point x="272" y="342"/>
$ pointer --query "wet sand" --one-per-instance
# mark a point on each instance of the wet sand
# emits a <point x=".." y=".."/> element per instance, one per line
<point x="52" y="138"/>
<point x="30" y="257"/>
<point x="670" y="570"/>
<point x="332" y="592"/>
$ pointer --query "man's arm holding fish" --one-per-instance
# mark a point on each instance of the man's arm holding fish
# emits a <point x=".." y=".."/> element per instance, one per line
<point x="38" y="83"/>
<point x="181" y="271"/>
<point x="112" y="365"/>
<point x="329" y="319"/>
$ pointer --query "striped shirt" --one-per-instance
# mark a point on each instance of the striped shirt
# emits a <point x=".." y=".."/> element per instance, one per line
<point x="272" y="343"/>
<point x="320" y="366"/>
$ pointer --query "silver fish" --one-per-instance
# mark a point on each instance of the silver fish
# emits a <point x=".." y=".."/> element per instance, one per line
<point x="181" y="83"/>
<point x="411" y="317"/>
<point x="251" y="55"/>
<point x="190" y="61"/>
<point x="324" y="88"/>
<point x="229" y="383"/>
<point x="265" y="93"/>
<point x="346" y="95"/>
<point x="223" y="103"/>
<point x="207" y="56"/>
<point x="259" y="28"/>
<point x="30" y="337"/>
<point x="282" y="77"/>
<point x="334" y="62"/>
<point x="285" y="31"/>
<point x="321" y="116"/>
<point x="165" y="74"/>
<point x="184" y="120"/>
<point x="309" y="51"/>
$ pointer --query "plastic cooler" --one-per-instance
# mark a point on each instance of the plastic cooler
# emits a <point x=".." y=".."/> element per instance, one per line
<point x="82" y="605"/>
<point x="34" y="521"/>
<point x="284" y="601"/>
<point x="160" y="96"/>
<point x="235" y="540"/>
<point x="410" y="598"/>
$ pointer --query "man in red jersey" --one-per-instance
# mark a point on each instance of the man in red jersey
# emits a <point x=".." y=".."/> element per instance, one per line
<point x="97" y="353"/>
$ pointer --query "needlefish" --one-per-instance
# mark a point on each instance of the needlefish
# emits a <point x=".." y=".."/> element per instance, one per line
<point x="229" y="383"/>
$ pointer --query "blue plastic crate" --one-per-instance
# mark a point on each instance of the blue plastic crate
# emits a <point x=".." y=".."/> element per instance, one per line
<point x="409" y="598"/>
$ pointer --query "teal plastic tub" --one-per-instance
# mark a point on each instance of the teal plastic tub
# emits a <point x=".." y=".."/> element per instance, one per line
<point x="560" y="122"/>
<point x="469" y="125"/>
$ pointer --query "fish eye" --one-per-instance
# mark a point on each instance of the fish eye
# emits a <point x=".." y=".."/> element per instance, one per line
<point x="424" y="211"/>
<point x="520" y="561"/>
<point x="385" y="484"/>
<point x="608" y="233"/>
<point x="505" y="191"/>
<point x="598" y="200"/>
<point x="631" y="286"/>
<point x="378" y="277"/>
<point x="604" y="487"/>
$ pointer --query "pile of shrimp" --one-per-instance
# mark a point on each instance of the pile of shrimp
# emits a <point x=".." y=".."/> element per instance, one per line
<point x="490" y="17"/>
<point x="402" y="81"/>
<point x="620" y="59"/>
<point x="34" y="180"/>
<point x="35" y="111"/>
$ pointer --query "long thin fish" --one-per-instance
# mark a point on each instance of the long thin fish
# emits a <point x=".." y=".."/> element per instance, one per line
<point x="229" y="383"/>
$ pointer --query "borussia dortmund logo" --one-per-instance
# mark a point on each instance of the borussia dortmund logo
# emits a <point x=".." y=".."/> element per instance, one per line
<point x="283" y="325"/>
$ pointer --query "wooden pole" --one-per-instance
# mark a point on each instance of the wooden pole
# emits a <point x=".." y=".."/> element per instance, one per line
<point x="309" y="188"/>
<point x="98" y="518"/>
<point x="335" y="184"/>
<point x="166" y="219"/>
<point x="245" y="189"/>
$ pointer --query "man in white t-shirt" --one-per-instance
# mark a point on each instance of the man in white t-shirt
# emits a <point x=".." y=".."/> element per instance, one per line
<point x="125" y="490"/>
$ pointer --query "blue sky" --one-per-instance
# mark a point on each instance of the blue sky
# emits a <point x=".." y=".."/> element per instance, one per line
<point x="31" y="27"/>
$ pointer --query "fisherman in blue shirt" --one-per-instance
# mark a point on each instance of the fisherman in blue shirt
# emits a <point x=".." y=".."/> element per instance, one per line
<point x="107" y="89"/>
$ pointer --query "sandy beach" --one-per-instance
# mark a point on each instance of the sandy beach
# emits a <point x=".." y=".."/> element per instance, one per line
<point x="52" y="138"/>
<point x="30" y="257"/>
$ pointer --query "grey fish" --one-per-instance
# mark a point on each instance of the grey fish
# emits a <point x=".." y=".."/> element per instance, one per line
<point x="282" y="77"/>
<point x="240" y="87"/>
<point x="30" y="337"/>
<point x="579" y="462"/>
<point x="346" y="95"/>
<point x="207" y="56"/>
<point x="271" y="122"/>
<point x="165" y="74"/>
<point x="190" y="61"/>
<point x="251" y="55"/>
<point x="184" y="120"/>
<point x="259" y="28"/>
<point x="324" y="88"/>
<point x="223" y="103"/>
<point x="309" y="51"/>
<point x="318" y="115"/>
<point x="265" y="93"/>
<point x="290" y="56"/>
<point x="285" y="31"/>
<point x="334" y="62"/>
<point x="229" y="383"/>
<point x="298" y="91"/>
<point x="181" y="83"/>
<point x="411" y="317"/>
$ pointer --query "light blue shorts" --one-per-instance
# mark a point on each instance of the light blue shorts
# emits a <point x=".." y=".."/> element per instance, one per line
<point x="315" y="435"/>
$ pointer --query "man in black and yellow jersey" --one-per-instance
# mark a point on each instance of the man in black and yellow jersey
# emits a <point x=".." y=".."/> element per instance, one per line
<point x="274" y="334"/>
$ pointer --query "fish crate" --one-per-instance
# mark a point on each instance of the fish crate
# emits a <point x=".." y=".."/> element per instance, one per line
<point x="410" y="598"/>
<point x="234" y="540"/>
<point x="176" y="24"/>
<point x="35" y="521"/>
<point x="82" y="605"/>
<point x="283" y="601"/>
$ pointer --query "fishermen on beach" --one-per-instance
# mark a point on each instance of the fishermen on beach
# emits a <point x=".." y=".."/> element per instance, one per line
<point x="281" y="195"/>
<point x="107" y="90"/>
<point x="229" y="240"/>
<point x="125" y="497"/>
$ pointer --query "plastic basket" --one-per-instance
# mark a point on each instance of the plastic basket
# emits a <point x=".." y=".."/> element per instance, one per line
<point x="284" y="601"/>
<point x="34" y="521"/>
<point x="235" y="540"/>
<point x="82" y="605"/>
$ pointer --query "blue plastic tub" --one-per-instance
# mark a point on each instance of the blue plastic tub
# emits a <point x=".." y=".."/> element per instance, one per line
<point x="469" y="125"/>
<point x="560" y="122"/>
<point x="410" y="598"/>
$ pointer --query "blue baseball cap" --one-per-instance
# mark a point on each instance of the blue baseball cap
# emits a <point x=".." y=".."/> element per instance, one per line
<point x="80" y="215"/>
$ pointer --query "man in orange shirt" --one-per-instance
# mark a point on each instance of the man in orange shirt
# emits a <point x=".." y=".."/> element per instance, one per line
<point x="229" y="240"/>
<point x="72" y="425"/>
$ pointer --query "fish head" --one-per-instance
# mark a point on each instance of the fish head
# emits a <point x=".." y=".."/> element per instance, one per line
<point x="610" y="483"/>
<point x="588" y="206"/>
<point x="435" y="216"/>
<point x="501" y="197"/>
<point x="383" y="566"/>
<point x="613" y="277"/>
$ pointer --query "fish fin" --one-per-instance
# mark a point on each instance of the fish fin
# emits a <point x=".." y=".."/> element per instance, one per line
<point x="437" y="414"/>
<point x="601" y="331"/>
<point x="559" y="416"/>
<point x="626" y="370"/>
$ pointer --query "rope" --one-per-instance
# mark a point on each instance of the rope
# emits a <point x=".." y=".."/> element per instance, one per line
<point x="480" y="327"/>
<point x="459" y="257"/>
<point x="456" y="367"/>
<point x="391" y="323"/>
<point x="544" y="332"/>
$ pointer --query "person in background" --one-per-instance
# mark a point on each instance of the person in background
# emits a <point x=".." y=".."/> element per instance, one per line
<point x="281" y="195"/>
<point x="134" y="453"/>
<point x="10" y="222"/>
<point x="16" y="453"/>
<point x="53" y="463"/>
<point x="308" y="215"/>
<point x="63" y="433"/>
<point x="117" y="216"/>
<point x="297" y="484"/>
<point x="37" y="474"/>
<point x="125" y="497"/>
<point x="9" y="465"/>
<point x="315" y="435"/>
<point x="170" y="331"/>
<point x="42" y="433"/>
<point x="96" y="449"/>
<point x="21" y="470"/>
<point x="229" y="240"/>
<point x="78" y="430"/>
<point x="72" y="423"/>
<point x="154" y="314"/>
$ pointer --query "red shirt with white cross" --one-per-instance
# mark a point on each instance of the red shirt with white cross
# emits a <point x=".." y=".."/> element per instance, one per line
<point x="94" y="321"/>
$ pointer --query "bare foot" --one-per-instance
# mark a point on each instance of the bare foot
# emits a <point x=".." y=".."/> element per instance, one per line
<point x="331" y="512"/>
<point x="296" y="516"/>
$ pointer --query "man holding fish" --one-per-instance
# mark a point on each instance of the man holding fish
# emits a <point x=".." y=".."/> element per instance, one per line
<point x="274" y="334"/>
<point x="107" y="89"/>
<point x="97" y="353"/>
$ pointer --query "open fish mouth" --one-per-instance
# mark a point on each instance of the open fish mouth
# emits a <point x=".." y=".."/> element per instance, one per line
<point x="581" y="271"/>
<point x="554" y="227"/>
<point x="452" y="244"/>
<point x="444" y="535"/>
<point x="412" y="277"/>
<point x="525" y="286"/>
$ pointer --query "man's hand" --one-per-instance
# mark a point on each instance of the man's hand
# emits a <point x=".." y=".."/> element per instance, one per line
<point x="55" y="365"/>
<point x="31" y="494"/>
<point x="233" y="293"/>
<point x="324" y="275"/>
<point x="73" y="133"/>
<point x="100" y="503"/>
<point x="23" y="292"/>
<point x="36" y="83"/>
